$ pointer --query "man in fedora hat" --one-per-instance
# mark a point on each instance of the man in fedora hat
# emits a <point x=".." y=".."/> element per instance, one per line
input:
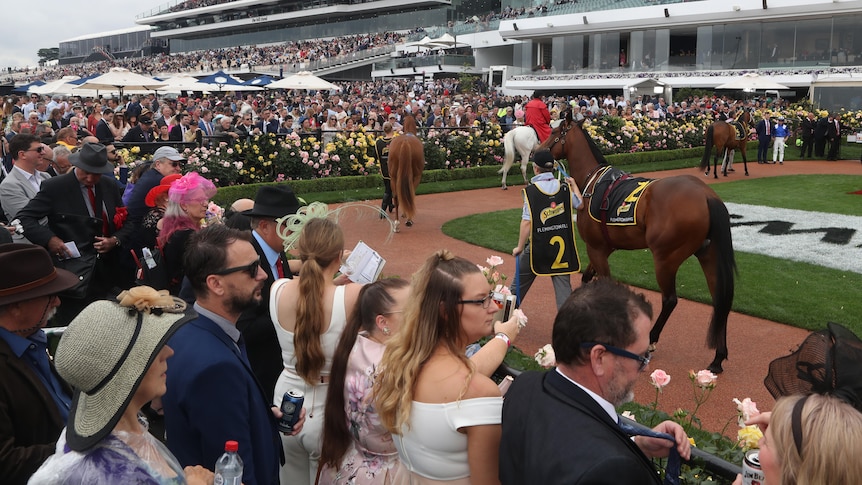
<point x="86" y="227"/>
<point x="34" y="402"/>
<point x="264" y="352"/>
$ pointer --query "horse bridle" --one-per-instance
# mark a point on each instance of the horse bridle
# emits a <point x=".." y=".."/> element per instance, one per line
<point x="565" y="126"/>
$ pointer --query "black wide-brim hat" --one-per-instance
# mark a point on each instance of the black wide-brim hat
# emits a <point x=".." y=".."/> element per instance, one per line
<point x="93" y="158"/>
<point x="273" y="202"/>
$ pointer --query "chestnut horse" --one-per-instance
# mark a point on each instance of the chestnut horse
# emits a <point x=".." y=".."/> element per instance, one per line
<point x="406" y="162"/>
<point x="723" y="136"/>
<point x="677" y="217"/>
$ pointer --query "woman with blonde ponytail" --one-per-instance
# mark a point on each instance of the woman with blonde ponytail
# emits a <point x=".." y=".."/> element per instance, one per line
<point x="309" y="314"/>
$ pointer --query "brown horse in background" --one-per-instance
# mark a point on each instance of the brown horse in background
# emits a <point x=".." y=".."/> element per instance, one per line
<point x="723" y="136"/>
<point x="406" y="162"/>
<point x="677" y="217"/>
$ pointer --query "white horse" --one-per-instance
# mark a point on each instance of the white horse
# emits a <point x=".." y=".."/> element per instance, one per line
<point x="522" y="139"/>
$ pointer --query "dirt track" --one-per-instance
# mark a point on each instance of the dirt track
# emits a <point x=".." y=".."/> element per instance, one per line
<point x="752" y="342"/>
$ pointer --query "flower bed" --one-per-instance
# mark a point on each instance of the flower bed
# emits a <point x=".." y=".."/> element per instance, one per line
<point x="268" y="158"/>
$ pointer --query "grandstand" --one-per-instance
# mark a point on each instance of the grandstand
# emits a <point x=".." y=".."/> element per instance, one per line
<point x="111" y="45"/>
<point x="521" y="45"/>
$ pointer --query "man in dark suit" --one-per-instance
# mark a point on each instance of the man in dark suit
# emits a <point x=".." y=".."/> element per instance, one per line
<point x="833" y="136"/>
<point x="143" y="131"/>
<point x="178" y="131"/>
<point x="267" y="123"/>
<point x="103" y="131"/>
<point x="560" y="426"/>
<point x="764" y="136"/>
<point x="264" y="352"/>
<point x="807" y="127"/>
<point x="34" y="401"/>
<point x="213" y="395"/>
<point x="85" y="213"/>
<point x="820" y="130"/>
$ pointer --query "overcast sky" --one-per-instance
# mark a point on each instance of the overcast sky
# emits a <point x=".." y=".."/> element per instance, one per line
<point x="44" y="24"/>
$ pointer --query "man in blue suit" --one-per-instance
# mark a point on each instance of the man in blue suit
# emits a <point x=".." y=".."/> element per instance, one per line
<point x="213" y="395"/>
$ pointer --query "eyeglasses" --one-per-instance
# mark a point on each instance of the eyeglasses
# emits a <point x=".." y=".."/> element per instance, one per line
<point x="37" y="150"/>
<point x="643" y="359"/>
<point x="250" y="269"/>
<point x="485" y="302"/>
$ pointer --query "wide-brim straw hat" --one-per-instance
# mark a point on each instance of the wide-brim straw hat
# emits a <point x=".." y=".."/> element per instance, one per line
<point x="104" y="354"/>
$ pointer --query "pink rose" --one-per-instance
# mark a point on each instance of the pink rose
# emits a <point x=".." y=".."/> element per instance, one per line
<point x="494" y="261"/>
<point x="747" y="410"/>
<point x="522" y="319"/>
<point x="659" y="379"/>
<point x="704" y="378"/>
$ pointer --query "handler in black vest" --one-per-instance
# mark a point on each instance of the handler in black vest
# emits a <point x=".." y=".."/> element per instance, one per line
<point x="546" y="243"/>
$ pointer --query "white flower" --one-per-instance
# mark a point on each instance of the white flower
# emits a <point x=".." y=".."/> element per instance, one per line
<point x="545" y="357"/>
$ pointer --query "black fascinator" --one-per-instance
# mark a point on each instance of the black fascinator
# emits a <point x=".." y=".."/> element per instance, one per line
<point x="827" y="362"/>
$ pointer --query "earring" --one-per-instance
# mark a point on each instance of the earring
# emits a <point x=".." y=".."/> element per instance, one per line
<point x="386" y="330"/>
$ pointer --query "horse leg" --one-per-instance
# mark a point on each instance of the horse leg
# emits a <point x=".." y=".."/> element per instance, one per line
<point x="708" y="263"/>
<point x="665" y="275"/>
<point x="504" y="180"/>
<point x="744" y="161"/>
<point x="725" y="161"/>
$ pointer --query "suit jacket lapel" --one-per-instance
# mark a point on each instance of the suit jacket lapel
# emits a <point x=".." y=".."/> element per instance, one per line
<point x="557" y="386"/>
<point x="212" y="327"/>
<point x="20" y="367"/>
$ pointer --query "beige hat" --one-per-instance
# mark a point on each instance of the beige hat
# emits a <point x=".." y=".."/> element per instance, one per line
<point x="104" y="354"/>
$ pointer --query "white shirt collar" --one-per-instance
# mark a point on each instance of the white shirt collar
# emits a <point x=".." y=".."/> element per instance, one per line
<point x="607" y="406"/>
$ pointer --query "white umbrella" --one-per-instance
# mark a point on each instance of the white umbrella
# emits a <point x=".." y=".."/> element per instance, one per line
<point x="121" y="79"/>
<point x="751" y="82"/>
<point x="303" y="80"/>
<point x="445" y="40"/>
<point x="56" y="86"/>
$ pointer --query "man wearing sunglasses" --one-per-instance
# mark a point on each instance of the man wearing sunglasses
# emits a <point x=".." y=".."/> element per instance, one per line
<point x="561" y="426"/>
<point x="25" y="178"/>
<point x="213" y="395"/>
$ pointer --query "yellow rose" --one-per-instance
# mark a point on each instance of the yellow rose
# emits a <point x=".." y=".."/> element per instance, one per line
<point x="749" y="437"/>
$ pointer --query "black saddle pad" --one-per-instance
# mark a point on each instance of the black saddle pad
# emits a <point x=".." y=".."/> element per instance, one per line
<point x="622" y="200"/>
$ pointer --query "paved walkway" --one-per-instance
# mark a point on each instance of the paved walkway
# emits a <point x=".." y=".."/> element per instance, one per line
<point x="752" y="342"/>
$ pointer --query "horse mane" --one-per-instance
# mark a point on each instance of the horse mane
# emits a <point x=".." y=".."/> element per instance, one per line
<point x="597" y="154"/>
<point x="409" y="124"/>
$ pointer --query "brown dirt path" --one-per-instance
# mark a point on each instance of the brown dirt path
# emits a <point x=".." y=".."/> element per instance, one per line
<point x="752" y="342"/>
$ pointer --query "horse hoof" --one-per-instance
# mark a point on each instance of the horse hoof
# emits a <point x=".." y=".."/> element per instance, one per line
<point x="397" y="226"/>
<point x="505" y="188"/>
<point x="715" y="368"/>
<point x="409" y="223"/>
<point x="724" y="173"/>
<point x="706" y="174"/>
<point x="651" y="347"/>
<point x="746" y="174"/>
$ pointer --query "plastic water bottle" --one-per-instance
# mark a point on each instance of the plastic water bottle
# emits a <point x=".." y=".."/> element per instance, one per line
<point x="228" y="468"/>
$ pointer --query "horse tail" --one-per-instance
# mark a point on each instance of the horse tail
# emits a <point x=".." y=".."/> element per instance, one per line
<point x="402" y="171"/>
<point x="720" y="239"/>
<point x="707" y="148"/>
<point x="509" y="151"/>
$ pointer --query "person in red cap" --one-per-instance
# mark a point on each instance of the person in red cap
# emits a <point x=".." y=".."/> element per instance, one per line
<point x="34" y="401"/>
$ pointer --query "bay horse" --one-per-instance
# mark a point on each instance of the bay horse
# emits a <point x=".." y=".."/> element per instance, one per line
<point x="522" y="140"/>
<point x="723" y="136"/>
<point x="406" y="162"/>
<point x="676" y="217"/>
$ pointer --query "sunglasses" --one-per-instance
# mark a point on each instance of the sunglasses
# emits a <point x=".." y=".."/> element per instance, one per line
<point x="485" y="302"/>
<point x="643" y="359"/>
<point x="37" y="150"/>
<point x="250" y="269"/>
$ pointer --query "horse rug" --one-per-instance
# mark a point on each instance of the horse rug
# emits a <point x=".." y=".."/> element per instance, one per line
<point x="616" y="194"/>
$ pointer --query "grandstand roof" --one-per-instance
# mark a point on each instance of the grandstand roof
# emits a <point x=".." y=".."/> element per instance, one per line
<point x="128" y="30"/>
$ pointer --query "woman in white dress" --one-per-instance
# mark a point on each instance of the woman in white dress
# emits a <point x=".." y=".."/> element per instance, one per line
<point x="444" y="415"/>
<point x="309" y="314"/>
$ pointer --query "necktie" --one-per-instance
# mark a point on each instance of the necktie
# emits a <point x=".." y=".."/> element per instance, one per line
<point x="92" y="196"/>
<point x="767" y="127"/>
<point x="671" y="472"/>
<point x="279" y="266"/>
<point x="146" y="136"/>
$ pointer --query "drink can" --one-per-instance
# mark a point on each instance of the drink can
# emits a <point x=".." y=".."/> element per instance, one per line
<point x="291" y="408"/>
<point x="751" y="472"/>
